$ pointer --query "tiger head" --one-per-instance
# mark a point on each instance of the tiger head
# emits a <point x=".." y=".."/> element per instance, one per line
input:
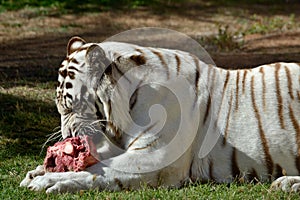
<point x="80" y="99"/>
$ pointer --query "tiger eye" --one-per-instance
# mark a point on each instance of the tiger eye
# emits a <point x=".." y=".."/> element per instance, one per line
<point x="69" y="85"/>
<point x="71" y="75"/>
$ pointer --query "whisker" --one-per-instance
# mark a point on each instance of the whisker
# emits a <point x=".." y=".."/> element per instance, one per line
<point x="56" y="129"/>
<point x="53" y="136"/>
<point x="100" y="120"/>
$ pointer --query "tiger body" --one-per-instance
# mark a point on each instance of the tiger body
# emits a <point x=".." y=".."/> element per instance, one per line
<point x="253" y="115"/>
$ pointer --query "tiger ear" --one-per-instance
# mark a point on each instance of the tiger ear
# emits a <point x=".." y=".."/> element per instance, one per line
<point x="74" y="44"/>
<point x="96" y="59"/>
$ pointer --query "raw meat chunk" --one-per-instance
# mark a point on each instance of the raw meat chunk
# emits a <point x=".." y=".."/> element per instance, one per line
<point x="72" y="154"/>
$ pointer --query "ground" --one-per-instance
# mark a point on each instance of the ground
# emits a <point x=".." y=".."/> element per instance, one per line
<point x="33" y="43"/>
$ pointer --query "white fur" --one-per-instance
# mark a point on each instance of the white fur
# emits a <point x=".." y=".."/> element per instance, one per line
<point x="178" y="144"/>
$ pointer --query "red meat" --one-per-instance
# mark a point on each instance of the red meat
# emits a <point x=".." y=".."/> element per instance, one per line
<point x="72" y="154"/>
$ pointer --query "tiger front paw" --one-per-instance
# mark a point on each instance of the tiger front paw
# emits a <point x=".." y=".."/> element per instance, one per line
<point x="47" y="183"/>
<point x="39" y="171"/>
<point x="60" y="182"/>
<point x="287" y="184"/>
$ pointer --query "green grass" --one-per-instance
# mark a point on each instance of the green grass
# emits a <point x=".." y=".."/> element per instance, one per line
<point x="13" y="170"/>
<point x="228" y="40"/>
<point x="28" y="115"/>
<point x="224" y="40"/>
<point x="263" y="25"/>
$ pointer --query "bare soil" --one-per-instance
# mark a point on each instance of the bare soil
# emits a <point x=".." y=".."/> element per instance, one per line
<point x="33" y="41"/>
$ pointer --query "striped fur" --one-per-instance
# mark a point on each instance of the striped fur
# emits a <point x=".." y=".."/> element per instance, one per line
<point x="255" y="111"/>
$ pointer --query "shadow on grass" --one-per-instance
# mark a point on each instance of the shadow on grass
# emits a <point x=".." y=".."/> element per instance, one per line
<point x="24" y="125"/>
<point x="32" y="60"/>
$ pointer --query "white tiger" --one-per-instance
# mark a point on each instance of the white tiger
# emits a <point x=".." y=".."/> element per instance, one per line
<point x="255" y="111"/>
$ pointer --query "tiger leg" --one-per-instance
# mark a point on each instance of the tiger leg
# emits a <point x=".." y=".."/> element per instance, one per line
<point x="115" y="175"/>
<point x="101" y="178"/>
<point x="59" y="182"/>
<point x="39" y="171"/>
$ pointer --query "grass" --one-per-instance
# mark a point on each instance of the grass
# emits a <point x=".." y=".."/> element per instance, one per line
<point x="264" y="25"/>
<point x="224" y="40"/>
<point x="28" y="115"/>
<point x="13" y="170"/>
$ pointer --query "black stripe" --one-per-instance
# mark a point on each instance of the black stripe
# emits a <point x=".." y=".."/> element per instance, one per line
<point x="227" y="120"/>
<point x="69" y="96"/>
<point x="211" y="170"/>
<point x="237" y="90"/>
<point x="207" y="109"/>
<point x="138" y="59"/>
<point x="109" y="109"/>
<point x="279" y="96"/>
<point x="133" y="99"/>
<point x="63" y="73"/>
<point x="98" y="111"/>
<point x="235" y="171"/>
<point x="197" y="77"/>
<point x="115" y="66"/>
<point x="178" y="63"/>
<point x="74" y="68"/>
<point x="163" y="62"/>
<point x="263" y="87"/>
<point x="264" y="142"/>
<point x="226" y="81"/>
<point x="290" y="82"/>
<point x="147" y="146"/>
<point x="223" y="95"/>
<point x="252" y="176"/>
<point x="244" y="81"/>
<point x="278" y="171"/>
<point x="141" y="134"/>
<point x="210" y="91"/>
<point x="139" y="50"/>
<point x="74" y="61"/>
